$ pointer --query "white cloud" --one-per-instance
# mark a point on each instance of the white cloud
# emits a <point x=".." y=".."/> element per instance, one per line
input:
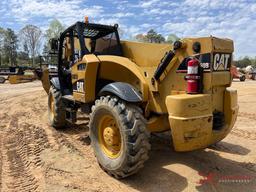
<point x="108" y="21"/>
<point x="66" y="11"/>
<point x="146" y="4"/>
<point x="148" y="25"/>
<point x="156" y="11"/>
<point x="121" y="14"/>
<point x="223" y="18"/>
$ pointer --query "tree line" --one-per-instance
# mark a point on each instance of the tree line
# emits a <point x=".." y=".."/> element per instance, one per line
<point x="245" y="61"/>
<point x="153" y="37"/>
<point x="24" y="47"/>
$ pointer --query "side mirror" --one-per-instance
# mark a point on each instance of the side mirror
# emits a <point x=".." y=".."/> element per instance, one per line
<point x="54" y="44"/>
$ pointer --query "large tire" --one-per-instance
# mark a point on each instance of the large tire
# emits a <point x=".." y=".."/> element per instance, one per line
<point x="253" y="76"/>
<point x="56" y="108"/>
<point x="2" y="79"/>
<point x="242" y="78"/>
<point x="134" y="137"/>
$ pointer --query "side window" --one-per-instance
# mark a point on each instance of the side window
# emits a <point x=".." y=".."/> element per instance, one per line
<point x="77" y="49"/>
<point x="88" y="44"/>
<point x="107" y="45"/>
<point x="64" y="49"/>
<point x="67" y="52"/>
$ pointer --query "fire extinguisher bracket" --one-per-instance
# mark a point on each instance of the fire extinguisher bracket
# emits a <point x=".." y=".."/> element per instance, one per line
<point x="193" y="76"/>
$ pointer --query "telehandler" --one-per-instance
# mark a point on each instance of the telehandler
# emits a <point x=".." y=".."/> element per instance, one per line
<point x="132" y="89"/>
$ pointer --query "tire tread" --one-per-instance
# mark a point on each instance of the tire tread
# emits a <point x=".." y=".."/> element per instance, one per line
<point x="138" y="144"/>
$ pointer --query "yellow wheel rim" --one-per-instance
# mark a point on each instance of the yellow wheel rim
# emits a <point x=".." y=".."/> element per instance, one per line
<point x="52" y="107"/>
<point x="109" y="136"/>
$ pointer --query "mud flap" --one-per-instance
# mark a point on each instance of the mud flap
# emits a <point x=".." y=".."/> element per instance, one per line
<point x="230" y="112"/>
<point x="230" y="107"/>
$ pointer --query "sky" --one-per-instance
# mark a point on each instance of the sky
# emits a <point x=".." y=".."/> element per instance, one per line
<point x="234" y="19"/>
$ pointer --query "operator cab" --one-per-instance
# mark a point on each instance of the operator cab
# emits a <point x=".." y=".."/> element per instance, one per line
<point x="82" y="39"/>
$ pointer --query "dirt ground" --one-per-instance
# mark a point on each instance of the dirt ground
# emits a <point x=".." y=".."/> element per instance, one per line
<point x="36" y="157"/>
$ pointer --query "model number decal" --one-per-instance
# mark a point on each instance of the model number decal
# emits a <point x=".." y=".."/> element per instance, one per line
<point x="221" y="61"/>
<point x="205" y="65"/>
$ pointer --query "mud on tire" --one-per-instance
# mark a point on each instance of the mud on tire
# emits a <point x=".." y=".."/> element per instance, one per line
<point x="56" y="108"/>
<point x="134" y="136"/>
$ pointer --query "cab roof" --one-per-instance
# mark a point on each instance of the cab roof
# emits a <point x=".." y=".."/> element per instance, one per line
<point x="92" y="30"/>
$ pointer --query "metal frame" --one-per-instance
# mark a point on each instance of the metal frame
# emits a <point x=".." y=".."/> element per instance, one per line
<point x="79" y="27"/>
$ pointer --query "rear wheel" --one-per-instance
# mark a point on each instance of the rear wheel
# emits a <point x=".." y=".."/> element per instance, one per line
<point x="119" y="136"/>
<point x="242" y="78"/>
<point x="56" y="108"/>
<point x="253" y="76"/>
<point x="2" y="79"/>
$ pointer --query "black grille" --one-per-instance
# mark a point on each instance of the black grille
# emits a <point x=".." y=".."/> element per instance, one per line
<point x="218" y="120"/>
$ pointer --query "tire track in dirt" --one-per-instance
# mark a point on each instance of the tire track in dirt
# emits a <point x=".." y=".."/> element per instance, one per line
<point x="68" y="164"/>
<point x="1" y="157"/>
<point x="224" y="147"/>
<point x="247" y="115"/>
<point x="244" y="134"/>
<point x="21" y="161"/>
<point x="3" y="127"/>
<point x="248" y="135"/>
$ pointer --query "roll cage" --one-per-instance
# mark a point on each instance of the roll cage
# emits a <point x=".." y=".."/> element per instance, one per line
<point x="81" y="31"/>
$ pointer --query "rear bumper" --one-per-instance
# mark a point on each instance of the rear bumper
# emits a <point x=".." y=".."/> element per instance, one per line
<point x="191" y="119"/>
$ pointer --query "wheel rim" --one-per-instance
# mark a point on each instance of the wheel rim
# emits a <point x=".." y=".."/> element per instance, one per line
<point x="109" y="136"/>
<point x="52" y="107"/>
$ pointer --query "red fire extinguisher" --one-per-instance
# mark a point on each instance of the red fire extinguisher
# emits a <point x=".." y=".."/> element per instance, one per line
<point x="193" y="77"/>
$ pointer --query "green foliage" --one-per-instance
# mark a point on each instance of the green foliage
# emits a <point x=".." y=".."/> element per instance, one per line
<point x="172" y="38"/>
<point x="23" y="55"/>
<point x="141" y="38"/>
<point x="8" y="46"/>
<point x="151" y="37"/>
<point x="31" y="39"/>
<point x="54" y="31"/>
<point x="245" y="61"/>
<point x="2" y="34"/>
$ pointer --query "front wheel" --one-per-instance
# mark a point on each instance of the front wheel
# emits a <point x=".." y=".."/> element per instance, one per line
<point x="56" y="108"/>
<point x="119" y="136"/>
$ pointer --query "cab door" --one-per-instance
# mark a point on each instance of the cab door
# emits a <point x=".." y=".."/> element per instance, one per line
<point x="84" y="74"/>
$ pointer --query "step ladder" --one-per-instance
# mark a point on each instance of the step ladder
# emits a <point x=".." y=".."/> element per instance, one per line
<point x="71" y="115"/>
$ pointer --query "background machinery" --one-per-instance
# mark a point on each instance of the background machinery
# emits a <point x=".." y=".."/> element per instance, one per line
<point x="48" y="69"/>
<point x="17" y="74"/>
<point x="237" y="74"/>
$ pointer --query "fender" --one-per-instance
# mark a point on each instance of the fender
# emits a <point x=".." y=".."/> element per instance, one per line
<point x="123" y="90"/>
<point x="123" y="66"/>
<point x="55" y="82"/>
